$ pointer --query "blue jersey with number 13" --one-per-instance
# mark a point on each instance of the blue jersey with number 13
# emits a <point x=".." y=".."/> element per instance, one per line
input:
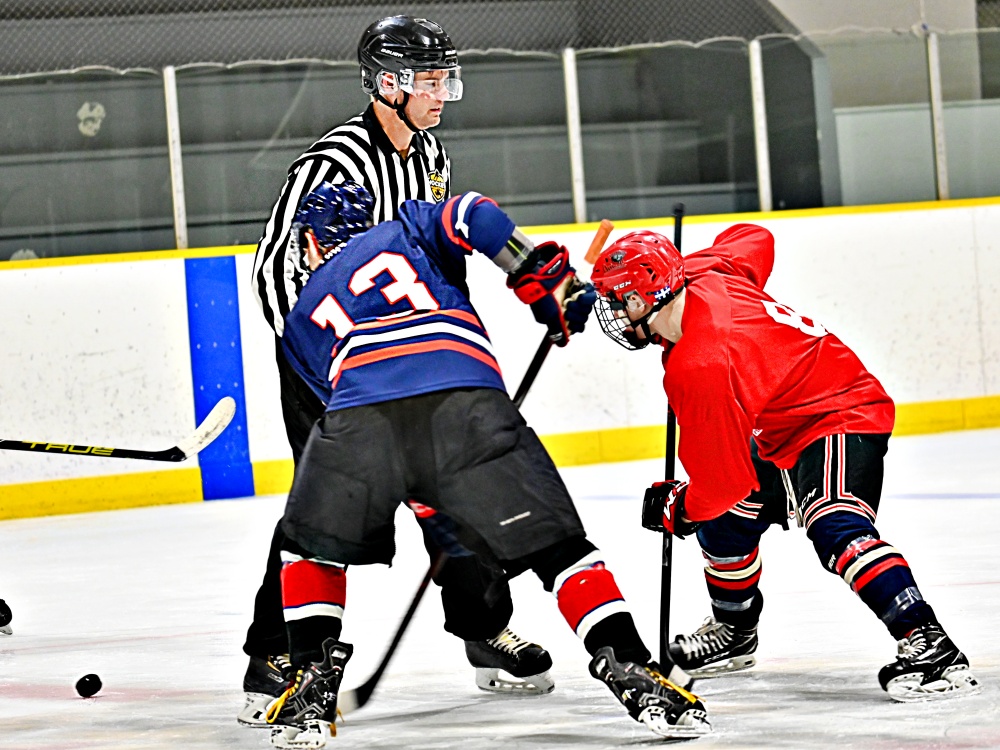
<point x="389" y="316"/>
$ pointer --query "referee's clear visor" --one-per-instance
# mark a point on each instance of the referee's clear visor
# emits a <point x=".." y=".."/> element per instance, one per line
<point x="444" y="84"/>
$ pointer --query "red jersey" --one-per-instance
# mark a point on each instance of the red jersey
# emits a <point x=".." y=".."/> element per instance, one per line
<point x="747" y="366"/>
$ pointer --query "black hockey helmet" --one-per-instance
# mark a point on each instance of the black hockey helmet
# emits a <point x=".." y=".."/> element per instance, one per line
<point x="401" y="46"/>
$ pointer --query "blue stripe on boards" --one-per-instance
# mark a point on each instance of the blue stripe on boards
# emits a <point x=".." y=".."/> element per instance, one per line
<point x="217" y="371"/>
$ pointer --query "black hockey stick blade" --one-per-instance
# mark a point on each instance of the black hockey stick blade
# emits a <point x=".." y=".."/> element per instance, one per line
<point x="210" y="428"/>
<point x="532" y="372"/>
<point x="352" y="700"/>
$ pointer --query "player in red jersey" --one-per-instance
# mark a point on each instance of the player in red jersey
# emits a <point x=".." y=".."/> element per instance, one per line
<point x="777" y="417"/>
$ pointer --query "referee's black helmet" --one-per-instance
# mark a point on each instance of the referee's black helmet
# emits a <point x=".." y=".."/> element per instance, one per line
<point x="403" y="43"/>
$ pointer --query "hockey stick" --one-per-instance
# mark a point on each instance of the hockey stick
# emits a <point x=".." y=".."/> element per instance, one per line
<point x="352" y="700"/>
<point x="669" y="473"/>
<point x="210" y="428"/>
<point x="596" y="245"/>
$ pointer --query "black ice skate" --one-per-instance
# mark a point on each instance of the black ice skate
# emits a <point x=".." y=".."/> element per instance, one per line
<point x="304" y="715"/>
<point x="666" y="708"/>
<point x="526" y="662"/>
<point x="265" y="680"/>
<point x="714" y="649"/>
<point x="928" y="667"/>
<point x="5" y="618"/>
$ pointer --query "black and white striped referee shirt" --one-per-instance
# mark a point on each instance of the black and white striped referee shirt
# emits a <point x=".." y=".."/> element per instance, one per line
<point x="357" y="150"/>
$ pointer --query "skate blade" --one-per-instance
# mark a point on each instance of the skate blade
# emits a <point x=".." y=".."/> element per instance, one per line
<point x="5" y="630"/>
<point x="733" y="664"/>
<point x="254" y="712"/>
<point x="498" y="681"/>
<point x="954" y="683"/>
<point x="692" y="723"/>
<point x="312" y="735"/>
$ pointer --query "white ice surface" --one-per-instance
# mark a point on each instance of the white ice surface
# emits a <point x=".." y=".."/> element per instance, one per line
<point x="156" y="601"/>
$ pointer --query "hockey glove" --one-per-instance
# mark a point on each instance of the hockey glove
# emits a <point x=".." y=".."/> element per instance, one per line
<point x="579" y="302"/>
<point x="663" y="509"/>
<point x="543" y="285"/>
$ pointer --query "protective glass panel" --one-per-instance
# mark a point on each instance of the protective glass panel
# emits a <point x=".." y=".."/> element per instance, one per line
<point x="666" y="125"/>
<point x="241" y="128"/>
<point x="84" y="164"/>
<point x="507" y="137"/>
<point x="881" y="107"/>
<point x="970" y="85"/>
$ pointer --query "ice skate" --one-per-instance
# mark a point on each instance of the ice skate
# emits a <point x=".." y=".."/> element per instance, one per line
<point x="265" y="680"/>
<point x="664" y="707"/>
<point x="928" y="667"/>
<point x="5" y="618"/>
<point x="714" y="649"/>
<point x="507" y="663"/>
<point x="303" y="716"/>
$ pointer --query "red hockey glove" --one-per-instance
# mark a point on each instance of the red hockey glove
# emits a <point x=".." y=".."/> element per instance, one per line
<point x="663" y="509"/>
<point x="542" y="284"/>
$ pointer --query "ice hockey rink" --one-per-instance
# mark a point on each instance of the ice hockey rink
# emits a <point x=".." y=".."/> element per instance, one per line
<point x="156" y="601"/>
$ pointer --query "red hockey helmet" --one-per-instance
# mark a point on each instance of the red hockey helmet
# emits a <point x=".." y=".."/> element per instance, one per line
<point x="641" y="269"/>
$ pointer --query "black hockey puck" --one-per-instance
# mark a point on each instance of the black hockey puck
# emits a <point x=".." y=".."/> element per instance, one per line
<point x="5" y="614"/>
<point x="88" y="685"/>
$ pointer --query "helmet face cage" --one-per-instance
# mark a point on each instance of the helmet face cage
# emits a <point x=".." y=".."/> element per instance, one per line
<point x="615" y="323"/>
<point x="393" y="50"/>
<point x="640" y="271"/>
<point x="335" y="213"/>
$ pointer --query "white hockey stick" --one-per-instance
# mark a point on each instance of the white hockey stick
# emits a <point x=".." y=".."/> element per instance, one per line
<point x="210" y="428"/>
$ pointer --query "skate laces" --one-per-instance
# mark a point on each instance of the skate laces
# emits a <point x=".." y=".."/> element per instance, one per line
<point x="274" y="709"/>
<point x="711" y="636"/>
<point x="281" y="663"/>
<point x="912" y="646"/>
<point x="653" y="671"/>
<point x="509" y="642"/>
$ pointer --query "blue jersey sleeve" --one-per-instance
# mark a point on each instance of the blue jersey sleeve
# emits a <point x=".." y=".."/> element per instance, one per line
<point x="465" y="223"/>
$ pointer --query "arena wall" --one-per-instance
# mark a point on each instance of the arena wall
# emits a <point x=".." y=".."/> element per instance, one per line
<point x="131" y="350"/>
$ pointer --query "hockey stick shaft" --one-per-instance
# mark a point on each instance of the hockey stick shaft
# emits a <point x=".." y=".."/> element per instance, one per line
<point x="352" y="700"/>
<point x="210" y="428"/>
<point x="666" y="568"/>
<point x="596" y="245"/>
<point x="532" y="372"/>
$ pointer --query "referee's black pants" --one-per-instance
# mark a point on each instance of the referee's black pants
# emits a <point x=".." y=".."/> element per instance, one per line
<point x="475" y="596"/>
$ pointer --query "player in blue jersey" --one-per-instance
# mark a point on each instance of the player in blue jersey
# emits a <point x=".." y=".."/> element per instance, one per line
<point x="417" y="410"/>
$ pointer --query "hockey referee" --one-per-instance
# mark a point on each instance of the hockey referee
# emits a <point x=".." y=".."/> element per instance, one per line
<point x="410" y="68"/>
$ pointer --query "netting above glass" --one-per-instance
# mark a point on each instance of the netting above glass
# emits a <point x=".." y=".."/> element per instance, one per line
<point x="55" y="35"/>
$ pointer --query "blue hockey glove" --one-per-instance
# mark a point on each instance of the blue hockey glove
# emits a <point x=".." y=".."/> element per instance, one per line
<point x="578" y="304"/>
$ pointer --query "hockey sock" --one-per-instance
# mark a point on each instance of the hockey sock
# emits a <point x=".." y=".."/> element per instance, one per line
<point x="733" y="586"/>
<point x="881" y="577"/>
<point x="593" y="606"/>
<point x="313" y="593"/>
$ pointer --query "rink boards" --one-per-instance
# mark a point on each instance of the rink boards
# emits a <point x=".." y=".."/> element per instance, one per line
<point x="132" y="350"/>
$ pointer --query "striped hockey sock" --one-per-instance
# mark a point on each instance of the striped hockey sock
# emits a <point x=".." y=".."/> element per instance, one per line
<point x="593" y="606"/>
<point x="880" y="576"/>
<point x="733" y="586"/>
<point x="313" y="594"/>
